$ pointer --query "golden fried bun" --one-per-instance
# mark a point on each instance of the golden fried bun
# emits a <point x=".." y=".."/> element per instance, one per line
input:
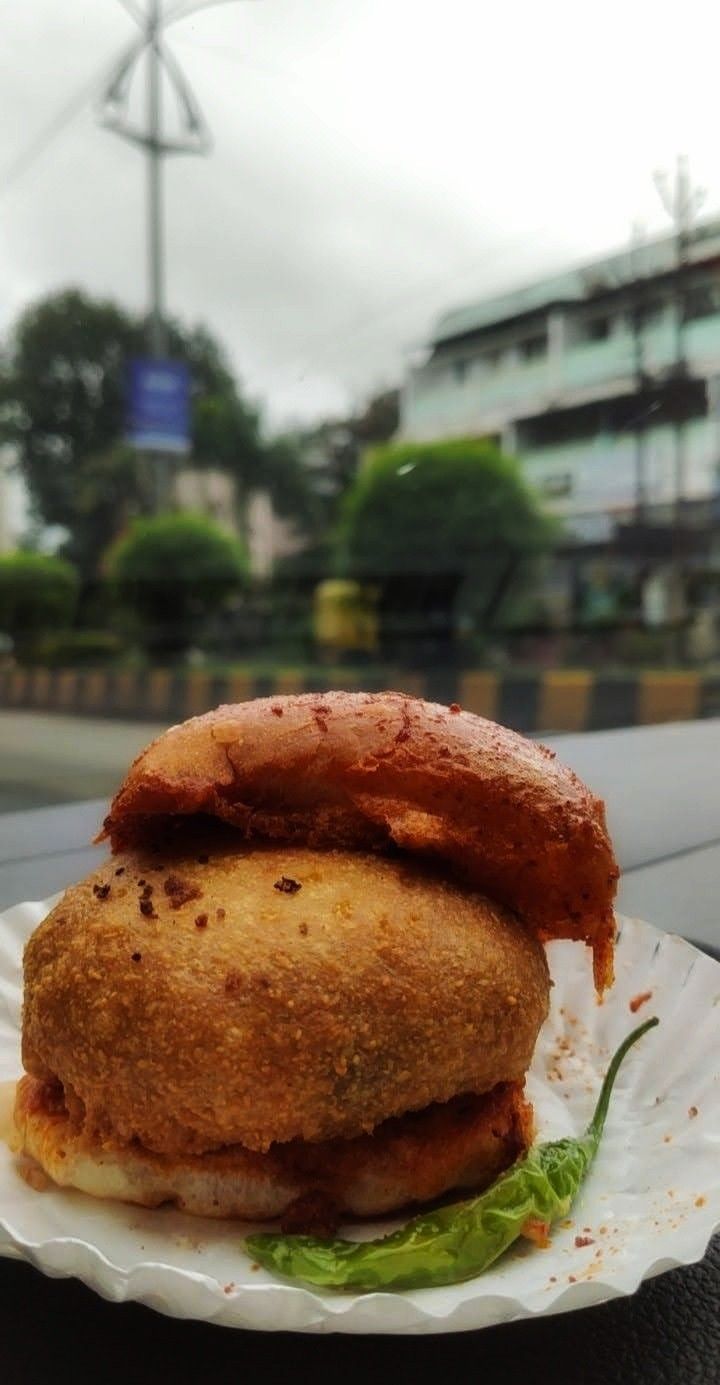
<point x="260" y="994"/>
<point x="463" y="1144"/>
<point x="362" y="770"/>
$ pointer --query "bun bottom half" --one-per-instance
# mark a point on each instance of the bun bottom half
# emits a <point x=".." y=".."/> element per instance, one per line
<point x="460" y="1145"/>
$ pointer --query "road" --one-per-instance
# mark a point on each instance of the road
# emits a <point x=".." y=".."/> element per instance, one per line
<point x="59" y="759"/>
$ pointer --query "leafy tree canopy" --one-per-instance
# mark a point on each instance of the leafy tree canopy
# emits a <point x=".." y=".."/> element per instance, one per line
<point x="62" y="404"/>
<point x="174" y="573"/>
<point x="421" y="520"/>
<point x="37" y="593"/>
<point x="334" y="449"/>
<point x="444" y="507"/>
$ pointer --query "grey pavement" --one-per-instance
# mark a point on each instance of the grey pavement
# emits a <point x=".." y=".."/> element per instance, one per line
<point x="62" y="759"/>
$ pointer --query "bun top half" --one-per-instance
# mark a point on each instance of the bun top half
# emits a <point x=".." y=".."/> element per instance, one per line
<point x="383" y="770"/>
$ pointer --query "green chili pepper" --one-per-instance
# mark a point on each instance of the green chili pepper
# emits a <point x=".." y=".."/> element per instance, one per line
<point x="460" y="1240"/>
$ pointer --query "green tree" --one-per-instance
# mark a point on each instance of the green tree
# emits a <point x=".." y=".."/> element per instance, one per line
<point x="226" y="434"/>
<point x="285" y="476"/>
<point x="37" y="594"/>
<point x="112" y="488"/>
<point x="423" y="520"/>
<point x="62" y="393"/>
<point x="62" y="383"/>
<point x="333" y="450"/>
<point x="173" y="575"/>
<point x="379" y="419"/>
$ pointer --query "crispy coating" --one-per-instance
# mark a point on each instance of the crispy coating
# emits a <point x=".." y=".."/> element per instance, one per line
<point x="365" y="770"/>
<point x="463" y="1144"/>
<point x="197" y="1002"/>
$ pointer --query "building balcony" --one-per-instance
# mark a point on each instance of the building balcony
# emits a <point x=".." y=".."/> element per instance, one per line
<point x="476" y="394"/>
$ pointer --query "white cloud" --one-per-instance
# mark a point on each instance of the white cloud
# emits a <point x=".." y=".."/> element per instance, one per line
<point x="374" y="163"/>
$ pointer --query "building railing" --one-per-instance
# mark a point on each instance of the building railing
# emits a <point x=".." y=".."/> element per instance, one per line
<point x="442" y="398"/>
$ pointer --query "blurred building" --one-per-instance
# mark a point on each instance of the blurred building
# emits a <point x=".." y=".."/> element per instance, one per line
<point x="212" y="492"/>
<point x="14" y="506"/>
<point x="208" y="491"/>
<point x="605" y="381"/>
<point x="330" y="454"/>
<point x="333" y="451"/>
<point x="269" y="537"/>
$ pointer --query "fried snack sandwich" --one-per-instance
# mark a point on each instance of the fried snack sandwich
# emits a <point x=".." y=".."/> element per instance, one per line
<point x="308" y="982"/>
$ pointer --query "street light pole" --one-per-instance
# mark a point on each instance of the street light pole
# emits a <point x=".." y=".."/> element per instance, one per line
<point x="157" y="335"/>
<point x="193" y="138"/>
<point x="156" y="266"/>
<point x="637" y="313"/>
<point x="681" y="202"/>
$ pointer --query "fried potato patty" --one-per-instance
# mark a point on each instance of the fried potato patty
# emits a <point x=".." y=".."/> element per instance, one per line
<point x="463" y="1144"/>
<point x="254" y="995"/>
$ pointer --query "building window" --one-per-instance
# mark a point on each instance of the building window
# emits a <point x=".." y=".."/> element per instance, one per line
<point x="554" y="487"/>
<point x="597" y="328"/>
<point x="701" y="300"/>
<point x="652" y="312"/>
<point x="533" y="347"/>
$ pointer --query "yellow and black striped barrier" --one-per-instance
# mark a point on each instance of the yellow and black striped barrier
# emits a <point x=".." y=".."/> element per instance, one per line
<point x="559" y="700"/>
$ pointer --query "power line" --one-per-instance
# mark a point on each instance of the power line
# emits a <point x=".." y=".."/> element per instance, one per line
<point x="315" y="350"/>
<point x="37" y="147"/>
<point x="74" y="106"/>
<point x="34" y="151"/>
<point x="317" y="347"/>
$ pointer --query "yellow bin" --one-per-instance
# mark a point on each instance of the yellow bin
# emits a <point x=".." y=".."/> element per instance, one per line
<point x="345" y="618"/>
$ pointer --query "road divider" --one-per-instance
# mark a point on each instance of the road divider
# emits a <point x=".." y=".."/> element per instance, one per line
<point x="558" y="700"/>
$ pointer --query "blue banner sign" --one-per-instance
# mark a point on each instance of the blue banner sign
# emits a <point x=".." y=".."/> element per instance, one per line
<point x="158" y="406"/>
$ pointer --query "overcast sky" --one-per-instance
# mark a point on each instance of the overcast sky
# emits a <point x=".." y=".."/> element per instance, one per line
<point x="375" y="162"/>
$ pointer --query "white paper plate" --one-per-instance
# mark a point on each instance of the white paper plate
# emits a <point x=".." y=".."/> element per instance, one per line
<point x="652" y="1200"/>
